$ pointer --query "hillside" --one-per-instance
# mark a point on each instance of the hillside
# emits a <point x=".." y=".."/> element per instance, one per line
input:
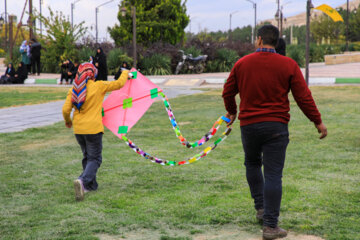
<point x="300" y="19"/>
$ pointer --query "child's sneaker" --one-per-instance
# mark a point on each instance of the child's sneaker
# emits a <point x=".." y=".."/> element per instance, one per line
<point x="79" y="190"/>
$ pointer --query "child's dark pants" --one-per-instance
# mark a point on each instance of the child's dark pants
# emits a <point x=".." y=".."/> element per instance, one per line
<point x="91" y="146"/>
<point x="265" y="144"/>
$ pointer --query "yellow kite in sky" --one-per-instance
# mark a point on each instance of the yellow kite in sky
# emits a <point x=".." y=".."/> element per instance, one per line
<point x="330" y="12"/>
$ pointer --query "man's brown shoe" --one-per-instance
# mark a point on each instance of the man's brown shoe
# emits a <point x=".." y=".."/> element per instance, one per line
<point x="260" y="214"/>
<point x="270" y="233"/>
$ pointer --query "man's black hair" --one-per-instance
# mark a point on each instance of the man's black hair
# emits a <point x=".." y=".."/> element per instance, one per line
<point x="269" y="34"/>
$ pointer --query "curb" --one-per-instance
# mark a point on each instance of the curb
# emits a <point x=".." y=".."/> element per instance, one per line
<point x="173" y="82"/>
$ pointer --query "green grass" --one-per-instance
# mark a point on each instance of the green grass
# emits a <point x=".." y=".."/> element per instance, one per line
<point x="347" y="80"/>
<point x="321" y="180"/>
<point x="11" y="96"/>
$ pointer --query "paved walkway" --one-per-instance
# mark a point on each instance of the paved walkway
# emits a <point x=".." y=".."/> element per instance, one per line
<point x="15" y="119"/>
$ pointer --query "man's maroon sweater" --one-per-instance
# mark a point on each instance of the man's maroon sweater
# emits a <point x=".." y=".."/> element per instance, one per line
<point x="263" y="81"/>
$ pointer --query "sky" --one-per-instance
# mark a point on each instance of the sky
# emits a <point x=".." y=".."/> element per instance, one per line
<point x="212" y="15"/>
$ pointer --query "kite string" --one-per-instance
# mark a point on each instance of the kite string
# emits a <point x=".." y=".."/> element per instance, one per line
<point x="196" y="157"/>
<point x="177" y="131"/>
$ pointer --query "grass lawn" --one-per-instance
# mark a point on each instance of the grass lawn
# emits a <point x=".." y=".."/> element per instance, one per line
<point x="11" y="96"/>
<point x="138" y="199"/>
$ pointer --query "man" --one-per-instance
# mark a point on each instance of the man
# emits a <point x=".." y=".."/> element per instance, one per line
<point x="35" y="56"/>
<point x="263" y="80"/>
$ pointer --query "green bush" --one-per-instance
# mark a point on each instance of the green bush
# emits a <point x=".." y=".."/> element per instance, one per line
<point x="54" y="55"/>
<point x="193" y="51"/>
<point x="297" y="53"/>
<point x="16" y="57"/>
<point x="318" y="52"/>
<point x="2" y="53"/>
<point x="211" y="66"/>
<point x="223" y="62"/>
<point x="156" y="64"/>
<point x="115" y="58"/>
<point x="84" y="54"/>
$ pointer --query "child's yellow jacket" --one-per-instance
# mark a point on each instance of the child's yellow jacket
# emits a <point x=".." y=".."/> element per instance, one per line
<point x="89" y="119"/>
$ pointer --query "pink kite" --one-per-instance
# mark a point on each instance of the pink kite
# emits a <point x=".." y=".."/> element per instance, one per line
<point x="124" y="107"/>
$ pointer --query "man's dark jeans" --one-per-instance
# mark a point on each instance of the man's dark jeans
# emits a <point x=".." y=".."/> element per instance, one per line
<point x="265" y="144"/>
<point x="91" y="146"/>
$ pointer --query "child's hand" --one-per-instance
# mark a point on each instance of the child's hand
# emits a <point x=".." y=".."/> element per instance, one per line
<point x="68" y="125"/>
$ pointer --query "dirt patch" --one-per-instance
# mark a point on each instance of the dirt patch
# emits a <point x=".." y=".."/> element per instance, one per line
<point x="227" y="232"/>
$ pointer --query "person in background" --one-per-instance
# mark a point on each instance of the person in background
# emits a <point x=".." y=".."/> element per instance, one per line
<point x="281" y="47"/>
<point x="9" y="74"/>
<point x="25" y="55"/>
<point x="35" y="49"/>
<point x="91" y="59"/>
<point x="74" y="70"/>
<point x="100" y="64"/>
<point x="20" y="75"/>
<point x="124" y="66"/>
<point x="66" y="71"/>
<point x="263" y="80"/>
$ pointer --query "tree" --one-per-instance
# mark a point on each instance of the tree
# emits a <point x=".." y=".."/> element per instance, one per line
<point x="324" y="28"/>
<point x="156" y="20"/>
<point x="242" y="34"/>
<point x="354" y="25"/>
<point x="60" y="40"/>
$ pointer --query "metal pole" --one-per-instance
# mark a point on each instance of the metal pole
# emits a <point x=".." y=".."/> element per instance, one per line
<point x="347" y="25"/>
<point x="278" y="3"/>
<point x="40" y="20"/>
<point x="96" y="20"/>
<point x="307" y="51"/>
<point x="72" y="12"/>
<point x="254" y="36"/>
<point x="72" y="15"/>
<point x="134" y="35"/>
<point x="254" y="29"/>
<point x="11" y="36"/>
<point x="230" y="27"/>
<point x="6" y="27"/>
<point x="30" y="22"/>
<point x="281" y="22"/>
<point x="230" y="37"/>
<point x="96" y="24"/>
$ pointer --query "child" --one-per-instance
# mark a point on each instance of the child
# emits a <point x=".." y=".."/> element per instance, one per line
<point x="87" y="96"/>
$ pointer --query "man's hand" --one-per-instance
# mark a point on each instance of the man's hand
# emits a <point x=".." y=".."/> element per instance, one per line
<point x="232" y="118"/>
<point x="96" y="65"/>
<point x="16" y="75"/>
<point x="68" y="125"/>
<point x="321" y="129"/>
<point x="69" y="73"/>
